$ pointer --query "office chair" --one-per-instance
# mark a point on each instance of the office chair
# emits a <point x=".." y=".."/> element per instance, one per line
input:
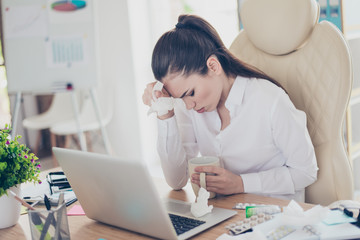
<point x="311" y="61"/>
<point x="61" y="109"/>
<point x="88" y="121"/>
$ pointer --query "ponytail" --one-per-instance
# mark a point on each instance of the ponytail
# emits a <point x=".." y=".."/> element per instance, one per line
<point x="186" y="48"/>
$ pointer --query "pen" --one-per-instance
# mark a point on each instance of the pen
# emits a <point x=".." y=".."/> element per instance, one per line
<point x="49" y="220"/>
<point x="34" y="203"/>
<point x="34" y="217"/>
<point x="31" y="201"/>
<point x="25" y="204"/>
<point x="71" y="202"/>
<point x="47" y="202"/>
<point x="59" y="219"/>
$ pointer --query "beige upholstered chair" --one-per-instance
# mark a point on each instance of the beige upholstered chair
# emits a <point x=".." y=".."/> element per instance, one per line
<point x="312" y="62"/>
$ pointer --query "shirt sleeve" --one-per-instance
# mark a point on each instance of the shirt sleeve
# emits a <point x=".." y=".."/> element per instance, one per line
<point x="176" y="144"/>
<point x="291" y="136"/>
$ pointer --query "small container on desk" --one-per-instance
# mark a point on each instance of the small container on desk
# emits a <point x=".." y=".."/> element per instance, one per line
<point x="49" y="224"/>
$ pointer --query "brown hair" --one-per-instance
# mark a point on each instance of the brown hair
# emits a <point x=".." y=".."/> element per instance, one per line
<point x="187" y="47"/>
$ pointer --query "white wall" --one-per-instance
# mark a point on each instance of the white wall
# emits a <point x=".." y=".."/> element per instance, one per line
<point x="117" y="74"/>
<point x="141" y="32"/>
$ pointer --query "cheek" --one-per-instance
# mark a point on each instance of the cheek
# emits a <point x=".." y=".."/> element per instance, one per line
<point x="208" y="97"/>
<point x="203" y="96"/>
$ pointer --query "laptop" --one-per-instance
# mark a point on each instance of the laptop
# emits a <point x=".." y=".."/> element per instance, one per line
<point x="120" y="192"/>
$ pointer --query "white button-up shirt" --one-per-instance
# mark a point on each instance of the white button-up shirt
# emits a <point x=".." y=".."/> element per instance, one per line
<point x="267" y="141"/>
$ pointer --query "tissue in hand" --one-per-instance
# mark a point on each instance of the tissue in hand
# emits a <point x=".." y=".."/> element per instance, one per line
<point x="161" y="105"/>
<point x="200" y="207"/>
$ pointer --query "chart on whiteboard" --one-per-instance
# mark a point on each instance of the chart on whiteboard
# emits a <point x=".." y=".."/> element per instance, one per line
<point x="66" y="51"/>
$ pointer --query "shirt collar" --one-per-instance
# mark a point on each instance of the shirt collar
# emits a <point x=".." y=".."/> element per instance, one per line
<point x="236" y="93"/>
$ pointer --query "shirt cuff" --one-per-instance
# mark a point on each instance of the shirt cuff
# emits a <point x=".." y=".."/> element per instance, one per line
<point x="252" y="183"/>
<point x="168" y="126"/>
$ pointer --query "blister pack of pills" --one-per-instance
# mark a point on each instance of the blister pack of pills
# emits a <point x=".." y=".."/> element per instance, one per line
<point x="280" y="232"/>
<point x="247" y="224"/>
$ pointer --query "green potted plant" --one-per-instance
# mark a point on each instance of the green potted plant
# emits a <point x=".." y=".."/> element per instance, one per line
<point x="17" y="165"/>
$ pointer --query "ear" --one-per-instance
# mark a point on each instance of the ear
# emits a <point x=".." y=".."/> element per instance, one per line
<point x="213" y="65"/>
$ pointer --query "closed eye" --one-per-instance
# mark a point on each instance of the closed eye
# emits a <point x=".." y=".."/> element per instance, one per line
<point x="185" y="94"/>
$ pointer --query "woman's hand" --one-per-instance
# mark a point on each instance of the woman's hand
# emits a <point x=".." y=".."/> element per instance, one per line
<point x="147" y="97"/>
<point x="222" y="182"/>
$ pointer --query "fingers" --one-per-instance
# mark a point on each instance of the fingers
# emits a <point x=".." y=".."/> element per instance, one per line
<point x="219" y="180"/>
<point x="213" y="186"/>
<point x="216" y="179"/>
<point x="209" y="169"/>
<point x="158" y="94"/>
<point x="147" y="96"/>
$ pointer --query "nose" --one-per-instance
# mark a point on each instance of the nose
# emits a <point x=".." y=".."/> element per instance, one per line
<point x="189" y="103"/>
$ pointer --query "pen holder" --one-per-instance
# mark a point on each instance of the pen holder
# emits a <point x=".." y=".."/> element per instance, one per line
<point x="47" y="225"/>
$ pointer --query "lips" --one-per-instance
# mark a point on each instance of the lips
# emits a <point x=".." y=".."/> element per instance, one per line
<point x="201" y="110"/>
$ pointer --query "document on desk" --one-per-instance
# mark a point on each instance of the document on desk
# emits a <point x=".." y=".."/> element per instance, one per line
<point x="36" y="192"/>
<point x="294" y="223"/>
<point x="324" y="231"/>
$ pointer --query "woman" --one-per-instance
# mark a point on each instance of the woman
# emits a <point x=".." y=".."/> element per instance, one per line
<point x="231" y="110"/>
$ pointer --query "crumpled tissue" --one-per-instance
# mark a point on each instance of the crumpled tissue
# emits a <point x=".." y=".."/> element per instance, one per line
<point x="200" y="207"/>
<point x="161" y="105"/>
<point x="295" y="215"/>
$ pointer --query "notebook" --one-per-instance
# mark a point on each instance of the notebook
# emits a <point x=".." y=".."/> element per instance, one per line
<point x="120" y="192"/>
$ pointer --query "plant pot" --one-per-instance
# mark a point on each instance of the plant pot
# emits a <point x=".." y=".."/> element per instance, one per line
<point x="9" y="209"/>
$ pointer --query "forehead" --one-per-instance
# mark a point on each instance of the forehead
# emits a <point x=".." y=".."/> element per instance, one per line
<point x="177" y="83"/>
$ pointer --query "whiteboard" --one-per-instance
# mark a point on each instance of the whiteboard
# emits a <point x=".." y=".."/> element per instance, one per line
<point x="49" y="45"/>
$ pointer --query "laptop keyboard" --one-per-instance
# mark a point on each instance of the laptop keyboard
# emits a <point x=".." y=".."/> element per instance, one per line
<point x="184" y="224"/>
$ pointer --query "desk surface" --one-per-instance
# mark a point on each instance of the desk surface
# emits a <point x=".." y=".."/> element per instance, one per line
<point x="81" y="227"/>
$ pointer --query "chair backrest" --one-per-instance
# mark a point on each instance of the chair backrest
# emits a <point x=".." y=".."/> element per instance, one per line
<point x="61" y="109"/>
<point x="311" y="61"/>
<point x="87" y="115"/>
